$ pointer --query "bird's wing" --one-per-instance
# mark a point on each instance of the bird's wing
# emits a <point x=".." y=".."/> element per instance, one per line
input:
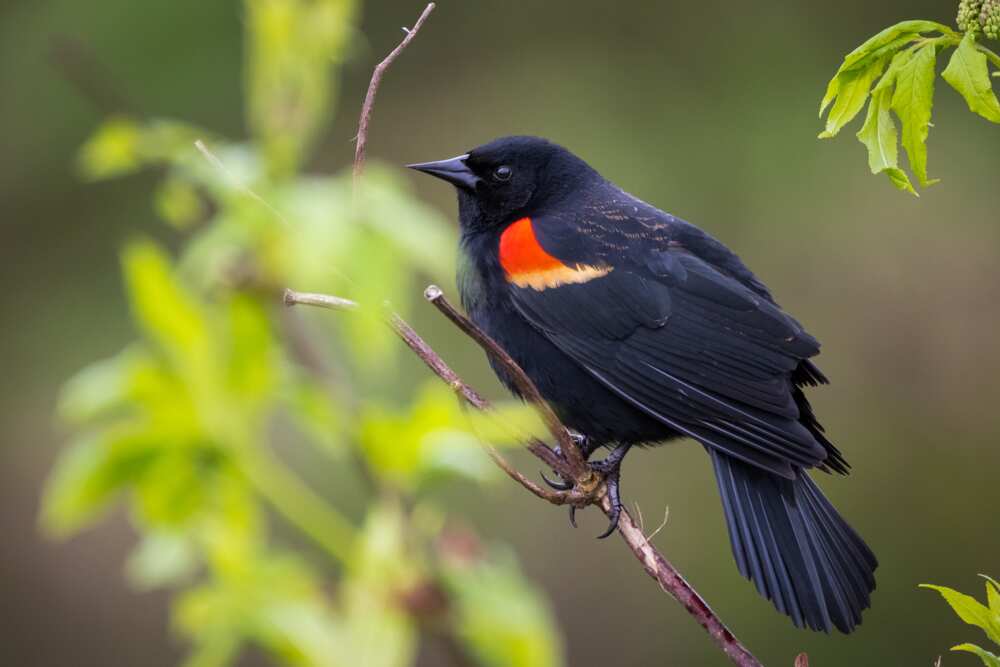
<point x="671" y="333"/>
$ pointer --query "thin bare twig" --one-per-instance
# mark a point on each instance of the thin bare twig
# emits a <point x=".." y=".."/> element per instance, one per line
<point x="653" y="562"/>
<point x="438" y="366"/>
<point x="369" y="103"/>
<point x="575" y="468"/>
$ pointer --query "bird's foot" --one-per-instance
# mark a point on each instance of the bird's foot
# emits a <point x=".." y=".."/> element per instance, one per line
<point x="609" y="469"/>
<point x="583" y="443"/>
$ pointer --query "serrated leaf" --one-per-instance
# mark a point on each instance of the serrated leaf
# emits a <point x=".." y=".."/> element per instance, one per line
<point x="912" y="102"/>
<point x="968" y="73"/>
<point x="878" y="134"/>
<point x="852" y="91"/>
<point x="891" y="35"/>
<point x="970" y="610"/>
<point x="880" y="47"/>
<point x="989" y="660"/>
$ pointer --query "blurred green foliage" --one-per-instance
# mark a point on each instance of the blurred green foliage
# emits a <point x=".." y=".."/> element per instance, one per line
<point x="900" y="61"/>
<point x="974" y="612"/>
<point x="177" y="427"/>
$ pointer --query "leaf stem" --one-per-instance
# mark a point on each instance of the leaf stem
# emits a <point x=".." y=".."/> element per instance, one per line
<point x="298" y="503"/>
<point x="991" y="55"/>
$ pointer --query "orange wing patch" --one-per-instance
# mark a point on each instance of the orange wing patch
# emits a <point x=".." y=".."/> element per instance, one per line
<point x="528" y="265"/>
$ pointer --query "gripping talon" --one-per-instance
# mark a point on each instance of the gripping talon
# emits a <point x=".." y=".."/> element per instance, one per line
<point x="557" y="485"/>
<point x="616" y="505"/>
<point x="572" y="515"/>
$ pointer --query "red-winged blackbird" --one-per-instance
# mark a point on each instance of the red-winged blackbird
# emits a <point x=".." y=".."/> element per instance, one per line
<point x="638" y="327"/>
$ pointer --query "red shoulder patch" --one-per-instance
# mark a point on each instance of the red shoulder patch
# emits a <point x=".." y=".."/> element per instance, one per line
<point x="520" y="251"/>
<point x="527" y="264"/>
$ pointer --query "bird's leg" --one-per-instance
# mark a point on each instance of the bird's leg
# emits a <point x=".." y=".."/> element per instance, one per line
<point x="610" y="468"/>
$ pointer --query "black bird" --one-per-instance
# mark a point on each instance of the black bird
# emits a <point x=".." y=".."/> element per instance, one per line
<point x="638" y="328"/>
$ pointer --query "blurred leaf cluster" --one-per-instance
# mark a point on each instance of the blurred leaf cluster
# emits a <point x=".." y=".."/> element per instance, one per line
<point x="895" y="71"/>
<point x="179" y="428"/>
<point x="974" y="612"/>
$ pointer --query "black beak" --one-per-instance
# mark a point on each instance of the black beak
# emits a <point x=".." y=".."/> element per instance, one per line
<point x="454" y="170"/>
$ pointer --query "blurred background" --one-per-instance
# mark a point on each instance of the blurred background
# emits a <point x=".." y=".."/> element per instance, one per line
<point x="705" y="109"/>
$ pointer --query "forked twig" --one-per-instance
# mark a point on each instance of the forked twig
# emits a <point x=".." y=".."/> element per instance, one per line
<point x="369" y="103"/>
<point x="653" y="562"/>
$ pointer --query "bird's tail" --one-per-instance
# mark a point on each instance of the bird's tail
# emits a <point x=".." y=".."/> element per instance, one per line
<point x="789" y="540"/>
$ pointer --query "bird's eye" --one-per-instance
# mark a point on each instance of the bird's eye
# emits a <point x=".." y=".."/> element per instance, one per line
<point x="502" y="173"/>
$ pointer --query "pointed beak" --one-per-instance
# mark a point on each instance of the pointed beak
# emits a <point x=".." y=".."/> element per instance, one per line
<point x="453" y="170"/>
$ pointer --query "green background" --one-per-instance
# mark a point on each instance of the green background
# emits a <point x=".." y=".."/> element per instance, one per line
<point x="707" y="110"/>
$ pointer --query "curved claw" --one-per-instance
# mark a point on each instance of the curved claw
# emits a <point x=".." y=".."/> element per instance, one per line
<point x="613" y="525"/>
<point x="572" y="515"/>
<point x="616" y="505"/>
<point x="557" y="485"/>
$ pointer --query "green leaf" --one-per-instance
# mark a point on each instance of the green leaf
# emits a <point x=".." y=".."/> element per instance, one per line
<point x="879" y="48"/>
<point x="992" y="593"/>
<point x="989" y="660"/>
<point x="163" y="308"/>
<point x="177" y="201"/>
<point x="252" y="352"/>
<point x="878" y="133"/>
<point x="968" y="73"/>
<point x="292" y="46"/>
<point x="912" y="102"/>
<point x="113" y="150"/>
<point x="892" y="35"/>
<point x="971" y="611"/>
<point x="502" y="618"/>
<point x="91" y="472"/>
<point x="851" y="93"/>
<point x="99" y="389"/>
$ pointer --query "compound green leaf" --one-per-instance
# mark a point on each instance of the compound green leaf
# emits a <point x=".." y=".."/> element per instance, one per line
<point x="968" y="73"/>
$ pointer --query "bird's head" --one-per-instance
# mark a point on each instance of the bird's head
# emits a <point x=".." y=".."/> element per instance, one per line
<point x="510" y="177"/>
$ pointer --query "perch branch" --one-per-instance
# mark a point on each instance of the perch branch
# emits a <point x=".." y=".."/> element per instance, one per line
<point x="369" y="103"/>
<point x="438" y="366"/>
<point x="653" y="562"/>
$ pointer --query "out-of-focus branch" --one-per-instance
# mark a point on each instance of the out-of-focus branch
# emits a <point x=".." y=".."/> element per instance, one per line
<point x="77" y="63"/>
<point x="584" y="491"/>
<point x="369" y="103"/>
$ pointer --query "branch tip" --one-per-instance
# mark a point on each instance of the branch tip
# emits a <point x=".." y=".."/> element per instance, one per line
<point x="433" y="293"/>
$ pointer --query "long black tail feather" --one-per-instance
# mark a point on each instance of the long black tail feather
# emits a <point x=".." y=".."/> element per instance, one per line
<point x="799" y="552"/>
